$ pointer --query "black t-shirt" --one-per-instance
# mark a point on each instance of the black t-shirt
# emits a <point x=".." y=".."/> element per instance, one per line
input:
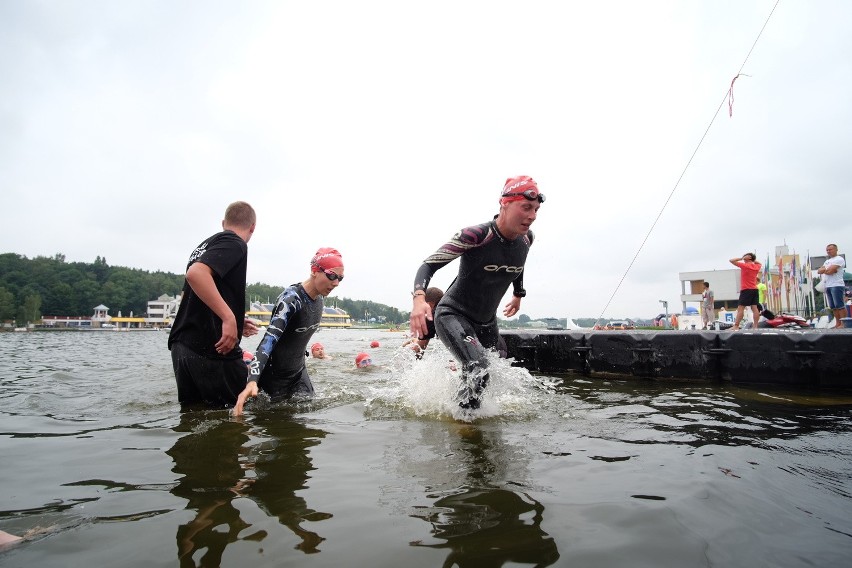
<point x="196" y="326"/>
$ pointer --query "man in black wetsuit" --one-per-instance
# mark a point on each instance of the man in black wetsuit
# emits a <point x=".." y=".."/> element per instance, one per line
<point x="279" y="364"/>
<point x="205" y="335"/>
<point x="492" y="257"/>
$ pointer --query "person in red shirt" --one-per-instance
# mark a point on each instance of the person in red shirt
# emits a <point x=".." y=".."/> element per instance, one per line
<point x="749" y="269"/>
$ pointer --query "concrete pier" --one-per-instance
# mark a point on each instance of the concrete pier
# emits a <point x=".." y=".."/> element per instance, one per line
<point x="806" y="358"/>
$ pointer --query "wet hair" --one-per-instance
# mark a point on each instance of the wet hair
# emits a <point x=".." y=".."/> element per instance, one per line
<point x="433" y="295"/>
<point x="750" y="254"/>
<point x="240" y="214"/>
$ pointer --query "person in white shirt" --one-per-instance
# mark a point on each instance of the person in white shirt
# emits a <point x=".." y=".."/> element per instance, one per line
<point x="832" y="274"/>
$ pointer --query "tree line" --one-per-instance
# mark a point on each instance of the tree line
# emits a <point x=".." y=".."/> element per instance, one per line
<point x="32" y="288"/>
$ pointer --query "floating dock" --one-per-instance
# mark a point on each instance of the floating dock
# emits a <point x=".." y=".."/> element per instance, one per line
<point x="801" y="358"/>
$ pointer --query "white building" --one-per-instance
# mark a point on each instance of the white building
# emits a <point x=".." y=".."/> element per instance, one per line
<point x="725" y="285"/>
<point x="163" y="310"/>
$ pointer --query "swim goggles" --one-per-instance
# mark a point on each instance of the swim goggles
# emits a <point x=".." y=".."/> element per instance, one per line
<point x="530" y="195"/>
<point x="365" y="362"/>
<point x="332" y="275"/>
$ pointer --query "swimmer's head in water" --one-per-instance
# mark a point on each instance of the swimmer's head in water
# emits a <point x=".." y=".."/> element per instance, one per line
<point x="363" y="360"/>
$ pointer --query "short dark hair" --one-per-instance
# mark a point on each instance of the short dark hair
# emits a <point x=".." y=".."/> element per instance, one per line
<point x="433" y="295"/>
<point x="751" y="254"/>
<point x="706" y="284"/>
<point x="240" y="214"/>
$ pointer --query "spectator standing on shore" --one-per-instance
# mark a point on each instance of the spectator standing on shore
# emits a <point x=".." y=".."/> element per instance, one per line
<point x="204" y="340"/>
<point x="832" y="273"/>
<point x="492" y="257"/>
<point x="707" y="306"/>
<point x="749" y="269"/>
<point x="761" y="293"/>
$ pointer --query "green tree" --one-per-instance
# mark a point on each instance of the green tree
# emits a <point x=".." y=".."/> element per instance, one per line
<point x="7" y="304"/>
<point x="30" y="311"/>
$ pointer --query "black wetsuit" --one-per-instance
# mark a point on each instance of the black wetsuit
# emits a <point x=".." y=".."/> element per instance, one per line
<point x="202" y="374"/>
<point x="279" y="365"/>
<point x="465" y="318"/>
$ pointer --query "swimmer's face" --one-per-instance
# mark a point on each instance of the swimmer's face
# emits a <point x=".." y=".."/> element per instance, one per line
<point x="318" y="352"/>
<point x="327" y="280"/>
<point x="519" y="216"/>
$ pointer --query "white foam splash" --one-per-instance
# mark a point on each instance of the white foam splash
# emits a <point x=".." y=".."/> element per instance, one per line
<point x="428" y="387"/>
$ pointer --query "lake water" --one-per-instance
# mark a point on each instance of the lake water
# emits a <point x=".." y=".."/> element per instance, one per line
<point x="100" y="467"/>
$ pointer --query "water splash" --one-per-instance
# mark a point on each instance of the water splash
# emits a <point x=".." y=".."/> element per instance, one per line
<point x="428" y="387"/>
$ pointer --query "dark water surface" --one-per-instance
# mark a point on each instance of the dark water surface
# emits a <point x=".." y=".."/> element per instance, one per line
<point x="100" y="468"/>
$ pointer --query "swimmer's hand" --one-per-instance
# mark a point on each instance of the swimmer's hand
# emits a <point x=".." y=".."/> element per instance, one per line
<point x="420" y="312"/>
<point x="250" y="327"/>
<point x="512" y="307"/>
<point x="250" y="390"/>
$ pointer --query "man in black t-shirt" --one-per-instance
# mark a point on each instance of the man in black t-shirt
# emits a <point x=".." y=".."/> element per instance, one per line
<point x="205" y="335"/>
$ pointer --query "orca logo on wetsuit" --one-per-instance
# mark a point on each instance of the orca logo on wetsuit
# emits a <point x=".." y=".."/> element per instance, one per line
<point x="495" y="268"/>
<point x="304" y="329"/>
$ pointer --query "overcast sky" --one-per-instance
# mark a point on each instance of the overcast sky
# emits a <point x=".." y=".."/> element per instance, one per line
<point x="381" y="128"/>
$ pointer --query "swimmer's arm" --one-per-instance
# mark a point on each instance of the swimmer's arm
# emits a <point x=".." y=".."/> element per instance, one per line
<point x="288" y="304"/>
<point x="250" y="390"/>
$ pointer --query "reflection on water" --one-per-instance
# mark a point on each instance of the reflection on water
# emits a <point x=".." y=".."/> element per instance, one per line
<point x="282" y="464"/>
<point x="100" y="464"/>
<point x="221" y="460"/>
<point x="490" y="527"/>
<point x="479" y="522"/>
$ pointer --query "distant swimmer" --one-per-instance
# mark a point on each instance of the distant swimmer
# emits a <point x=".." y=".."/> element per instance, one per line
<point x="493" y="255"/>
<point x="318" y="351"/>
<point x="363" y="360"/>
<point x="279" y="364"/>
<point x="205" y="336"/>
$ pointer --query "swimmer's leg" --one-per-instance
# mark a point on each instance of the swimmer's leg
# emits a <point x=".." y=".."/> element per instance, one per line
<point x="460" y="337"/>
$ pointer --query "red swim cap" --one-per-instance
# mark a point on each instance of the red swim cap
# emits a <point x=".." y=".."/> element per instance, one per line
<point x="363" y="360"/>
<point x="316" y="345"/>
<point x="374" y="343"/>
<point x="518" y="185"/>
<point x="326" y="258"/>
